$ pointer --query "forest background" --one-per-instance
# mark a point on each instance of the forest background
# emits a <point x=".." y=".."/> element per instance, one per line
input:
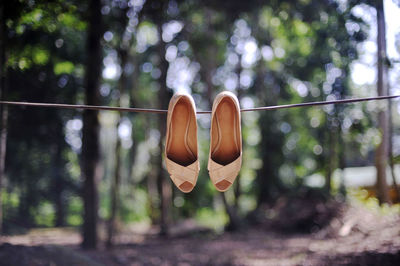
<point x="102" y="171"/>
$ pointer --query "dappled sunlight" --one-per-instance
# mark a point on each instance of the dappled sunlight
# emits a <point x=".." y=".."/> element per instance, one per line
<point x="84" y="172"/>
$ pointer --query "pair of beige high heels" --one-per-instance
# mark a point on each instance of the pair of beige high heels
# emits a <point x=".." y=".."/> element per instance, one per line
<point x="181" y="153"/>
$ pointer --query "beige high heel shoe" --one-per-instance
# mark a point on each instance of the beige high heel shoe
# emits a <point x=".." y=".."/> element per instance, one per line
<point x="225" y="157"/>
<point x="181" y="154"/>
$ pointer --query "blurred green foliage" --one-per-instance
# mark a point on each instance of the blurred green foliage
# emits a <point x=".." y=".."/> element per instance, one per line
<point x="275" y="52"/>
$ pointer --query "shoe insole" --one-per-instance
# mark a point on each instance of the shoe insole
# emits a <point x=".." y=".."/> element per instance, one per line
<point x="225" y="146"/>
<point x="179" y="149"/>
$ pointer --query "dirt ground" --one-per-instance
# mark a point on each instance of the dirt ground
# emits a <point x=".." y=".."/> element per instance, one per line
<point x="359" y="236"/>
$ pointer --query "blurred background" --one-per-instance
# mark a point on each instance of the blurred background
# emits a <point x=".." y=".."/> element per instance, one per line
<point x="100" y="176"/>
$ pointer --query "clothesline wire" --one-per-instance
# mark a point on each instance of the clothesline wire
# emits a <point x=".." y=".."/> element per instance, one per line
<point x="159" y="111"/>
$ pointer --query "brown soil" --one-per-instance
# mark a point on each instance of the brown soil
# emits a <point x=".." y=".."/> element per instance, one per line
<point x="359" y="237"/>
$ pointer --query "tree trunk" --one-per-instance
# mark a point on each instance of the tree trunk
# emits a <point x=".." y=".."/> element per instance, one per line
<point x="332" y="156"/>
<point x="391" y="157"/>
<point x="342" y="162"/>
<point x="90" y="132"/>
<point x="152" y="192"/>
<point x="3" y="110"/>
<point x="268" y="183"/>
<point x="58" y="185"/>
<point x="235" y="223"/>
<point x="3" y="148"/>
<point x="381" y="156"/>
<point x="114" y="192"/>
<point x="132" y="96"/>
<point x="163" y="185"/>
